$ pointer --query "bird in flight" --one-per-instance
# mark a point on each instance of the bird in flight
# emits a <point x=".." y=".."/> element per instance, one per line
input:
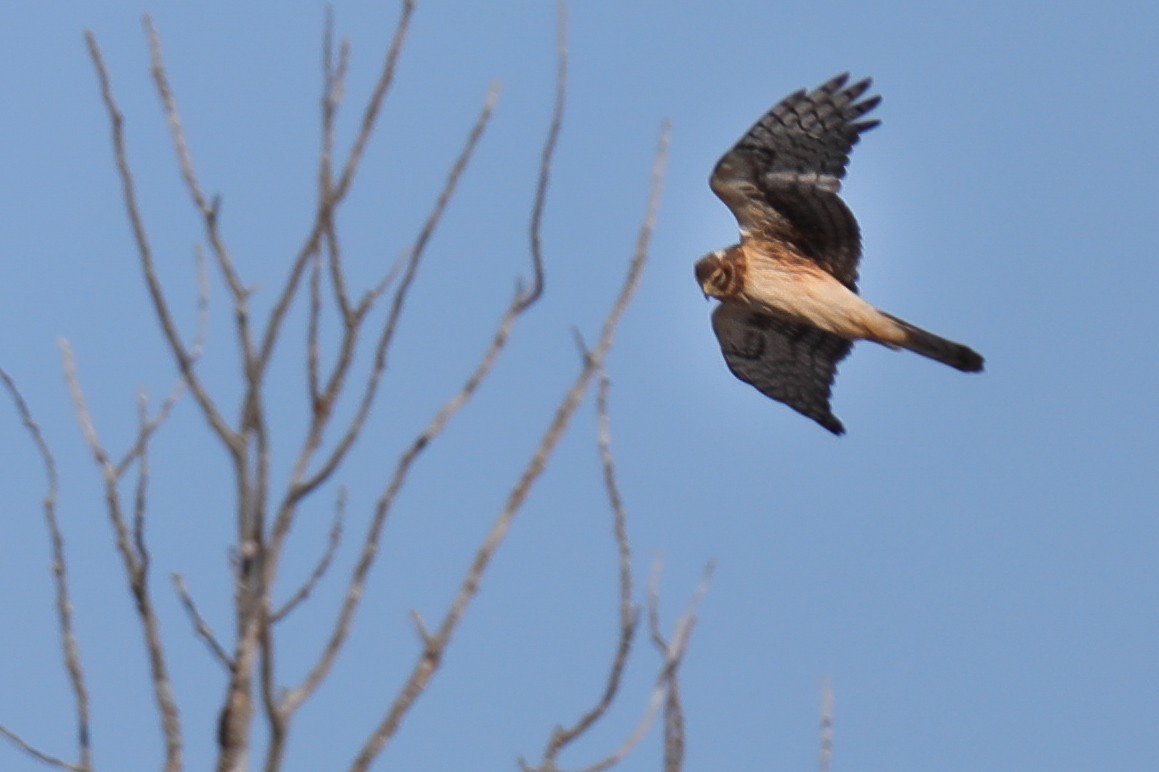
<point x="789" y="309"/>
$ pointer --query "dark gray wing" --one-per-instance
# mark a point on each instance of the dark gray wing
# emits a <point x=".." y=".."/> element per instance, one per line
<point x="789" y="362"/>
<point x="782" y="178"/>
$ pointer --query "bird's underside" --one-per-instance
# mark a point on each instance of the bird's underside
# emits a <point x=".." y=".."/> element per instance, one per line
<point x="789" y="310"/>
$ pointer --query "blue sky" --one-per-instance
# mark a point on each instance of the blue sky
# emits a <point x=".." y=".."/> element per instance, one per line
<point x="973" y="566"/>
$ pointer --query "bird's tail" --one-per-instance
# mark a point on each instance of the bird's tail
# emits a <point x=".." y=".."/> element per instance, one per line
<point x="939" y="349"/>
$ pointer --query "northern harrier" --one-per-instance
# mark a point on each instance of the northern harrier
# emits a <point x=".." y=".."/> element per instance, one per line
<point x="790" y="310"/>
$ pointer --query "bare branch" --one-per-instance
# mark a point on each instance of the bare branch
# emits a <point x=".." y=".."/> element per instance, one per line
<point x="370" y="115"/>
<point x="421" y="628"/>
<point x="673" y="655"/>
<point x="140" y="498"/>
<point x="826" y="726"/>
<point x="313" y="321"/>
<point x="68" y="642"/>
<point x="207" y="208"/>
<point x="548" y="154"/>
<point x="39" y="755"/>
<point x="673" y="727"/>
<point x="354" y="592"/>
<point x="84" y="417"/>
<point x="150" y="426"/>
<point x="620" y="519"/>
<point x="200" y="626"/>
<point x="185" y="360"/>
<point x="303" y="487"/>
<point x="667" y="690"/>
<point x="430" y="658"/>
<point x="323" y="563"/>
<point x="629" y="617"/>
<point x="328" y="203"/>
<point x="334" y="83"/>
<point x="392" y="273"/>
<point x="294" y="697"/>
<point x="135" y="562"/>
<point x="278" y="714"/>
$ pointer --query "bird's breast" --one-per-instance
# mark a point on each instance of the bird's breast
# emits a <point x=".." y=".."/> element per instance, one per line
<point x="798" y="289"/>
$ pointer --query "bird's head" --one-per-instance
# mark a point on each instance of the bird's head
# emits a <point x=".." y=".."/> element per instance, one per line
<point x="719" y="274"/>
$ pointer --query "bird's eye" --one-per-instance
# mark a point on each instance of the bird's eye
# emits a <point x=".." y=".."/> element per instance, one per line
<point x="722" y="277"/>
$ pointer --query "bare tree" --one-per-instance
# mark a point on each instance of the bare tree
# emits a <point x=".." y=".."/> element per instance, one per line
<point x="265" y="514"/>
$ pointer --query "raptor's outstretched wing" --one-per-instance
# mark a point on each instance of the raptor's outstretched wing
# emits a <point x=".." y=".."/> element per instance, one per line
<point x="792" y="363"/>
<point x="782" y="178"/>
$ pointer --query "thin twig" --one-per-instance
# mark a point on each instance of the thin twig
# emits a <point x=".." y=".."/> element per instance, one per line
<point x="329" y="203"/>
<point x="208" y="209"/>
<point x="140" y="497"/>
<point x="302" y="483"/>
<point x="374" y="105"/>
<point x="200" y="626"/>
<point x="68" y="643"/>
<point x="547" y="156"/>
<point x="313" y="322"/>
<point x="333" y="90"/>
<point x="431" y="656"/>
<point x="303" y="486"/>
<point x="323" y="563"/>
<point x="629" y="616"/>
<point x="826" y="752"/>
<point x="665" y="692"/>
<point x="40" y="755"/>
<point x="135" y="564"/>
<point x="146" y="431"/>
<point x="185" y="360"/>
<point x="293" y="698"/>
<point x="668" y="673"/>
<point x="674" y="653"/>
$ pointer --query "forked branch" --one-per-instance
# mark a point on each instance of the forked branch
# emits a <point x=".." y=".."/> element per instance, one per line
<point x="134" y="557"/>
<point x="184" y="357"/>
<point x="629" y="616"/>
<point x="431" y="656"/>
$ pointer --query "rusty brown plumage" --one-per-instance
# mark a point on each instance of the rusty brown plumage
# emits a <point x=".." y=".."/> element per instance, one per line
<point x="789" y="307"/>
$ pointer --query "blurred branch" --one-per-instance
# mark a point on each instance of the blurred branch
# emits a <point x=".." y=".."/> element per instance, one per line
<point x="200" y="626"/>
<point x="673" y="657"/>
<point x="323" y="563"/>
<point x="39" y="755"/>
<point x="185" y="359"/>
<point x="260" y="545"/>
<point x="432" y="653"/>
<point x="280" y="712"/>
<point x="178" y="390"/>
<point x="68" y="642"/>
<point x="332" y="195"/>
<point x="826" y="726"/>
<point x="546" y="157"/>
<point x="302" y="484"/>
<point x="629" y="617"/>
<point x="666" y="690"/>
<point x="313" y="352"/>
<point x="207" y="209"/>
<point x="334" y="85"/>
<point x="134" y="557"/>
<point x="294" y="697"/>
